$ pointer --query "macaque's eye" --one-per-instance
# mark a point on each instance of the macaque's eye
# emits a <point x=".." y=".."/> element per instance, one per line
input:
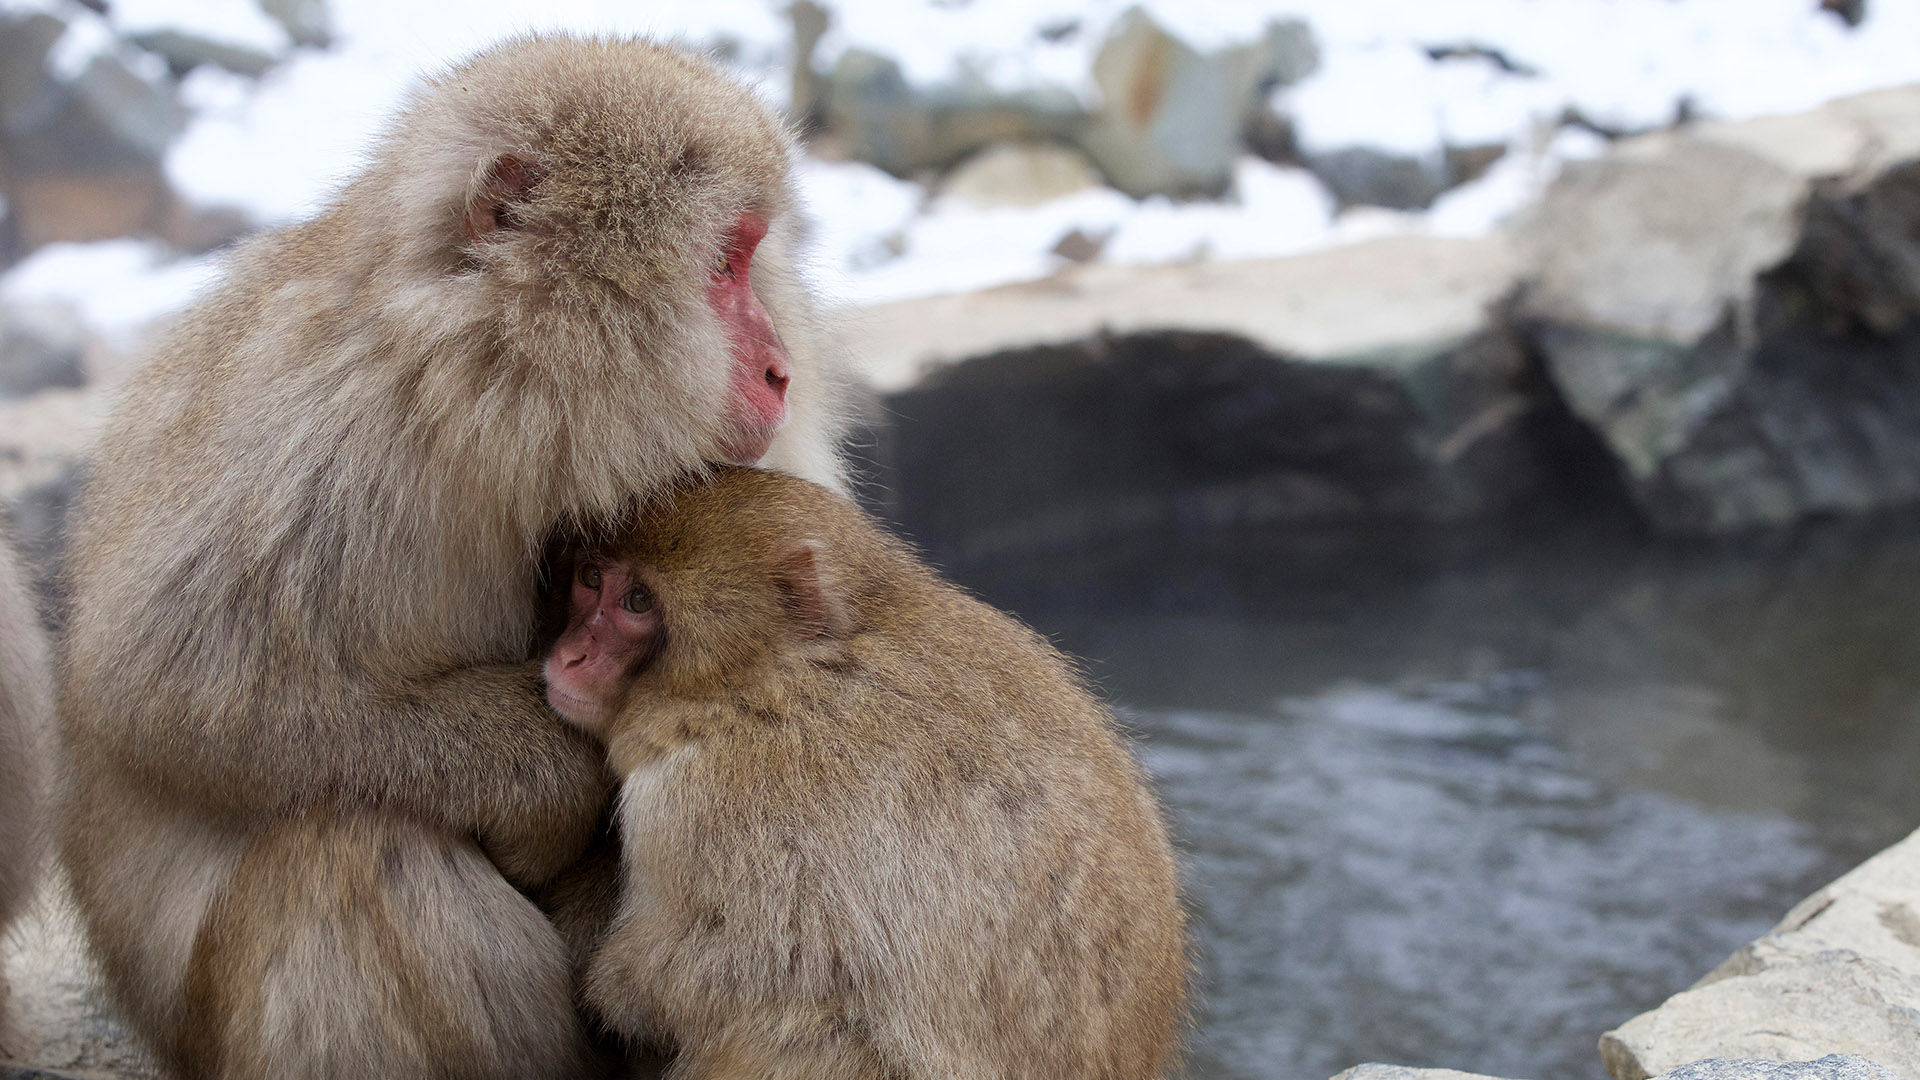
<point x="724" y="268"/>
<point x="589" y="576"/>
<point x="638" y="600"/>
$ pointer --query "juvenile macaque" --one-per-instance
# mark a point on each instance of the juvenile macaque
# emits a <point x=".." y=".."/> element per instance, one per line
<point x="315" y="776"/>
<point x="873" y="829"/>
<point x="26" y="716"/>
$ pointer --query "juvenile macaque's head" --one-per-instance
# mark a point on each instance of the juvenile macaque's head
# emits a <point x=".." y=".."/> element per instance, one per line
<point x="714" y="585"/>
<point x="608" y="209"/>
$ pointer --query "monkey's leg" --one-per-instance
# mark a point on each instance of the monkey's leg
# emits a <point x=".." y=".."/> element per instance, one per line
<point x="580" y="903"/>
<point x="371" y="947"/>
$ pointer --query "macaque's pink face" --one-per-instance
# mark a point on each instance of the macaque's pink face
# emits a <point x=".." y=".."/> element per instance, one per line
<point x="757" y="402"/>
<point x="612" y="627"/>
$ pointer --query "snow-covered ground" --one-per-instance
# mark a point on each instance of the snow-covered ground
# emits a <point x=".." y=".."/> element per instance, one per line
<point x="277" y="147"/>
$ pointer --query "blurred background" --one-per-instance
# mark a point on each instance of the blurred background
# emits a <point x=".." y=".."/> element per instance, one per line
<point x="1474" y="443"/>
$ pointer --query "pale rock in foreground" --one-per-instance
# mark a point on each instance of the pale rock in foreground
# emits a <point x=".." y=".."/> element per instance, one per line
<point x="1401" y="298"/>
<point x="1839" y="975"/>
<point x="1403" y="1072"/>
<point x="1831" y="1067"/>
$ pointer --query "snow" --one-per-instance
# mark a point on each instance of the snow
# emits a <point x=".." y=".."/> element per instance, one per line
<point x="117" y="286"/>
<point x="87" y="36"/>
<point x="276" y="148"/>
<point x="1513" y="183"/>
<point x="234" y="22"/>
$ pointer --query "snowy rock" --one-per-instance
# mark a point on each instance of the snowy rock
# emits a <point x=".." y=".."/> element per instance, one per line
<point x="185" y="51"/>
<point x="1831" y="1067"/>
<point x="1173" y="118"/>
<point x="1736" y="309"/>
<point x="1369" y="176"/>
<point x="883" y="120"/>
<point x="807" y="97"/>
<point x="45" y="441"/>
<point x="1019" y="174"/>
<point x="1364" y="176"/>
<point x="1839" y="975"/>
<point x="82" y="153"/>
<point x="1393" y="300"/>
<point x="1088" y="444"/>
<point x="1402" y="1072"/>
<point x="108" y="114"/>
<point x="24" y="43"/>
<point x="1851" y="12"/>
<point x="305" y="21"/>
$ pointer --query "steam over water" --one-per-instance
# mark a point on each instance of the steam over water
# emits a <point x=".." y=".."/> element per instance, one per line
<point x="1477" y="813"/>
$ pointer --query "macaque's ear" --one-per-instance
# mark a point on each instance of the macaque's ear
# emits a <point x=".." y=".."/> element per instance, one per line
<point x="498" y="191"/>
<point x="808" y="584"/>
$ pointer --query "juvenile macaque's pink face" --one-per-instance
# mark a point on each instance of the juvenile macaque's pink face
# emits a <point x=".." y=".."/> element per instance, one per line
<point x="757" y="404"/>
<point x="612" y="625"/>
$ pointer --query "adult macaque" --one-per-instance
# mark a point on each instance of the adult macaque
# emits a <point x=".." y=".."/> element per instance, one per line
<point x="873" y="829"/>
<point x="314" y="772"/>
<point x="26" y="714"/>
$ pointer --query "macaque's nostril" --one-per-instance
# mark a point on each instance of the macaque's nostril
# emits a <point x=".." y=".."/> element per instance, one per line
<point x="777" y="381"/>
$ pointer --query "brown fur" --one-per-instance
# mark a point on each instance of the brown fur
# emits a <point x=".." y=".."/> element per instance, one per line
<point x="295" y="686"/>
<point x="26" y="713"/>
<point x="874" y="829"/>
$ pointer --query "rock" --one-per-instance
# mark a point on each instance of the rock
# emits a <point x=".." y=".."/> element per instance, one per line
<point x="42" y="348"/>
<point x="1392" y="301"/>
<point x="1800" y="1009"/>
<point x="1441" y="415"/>
<point x="1831" y="1067"/>
<point x="807" y="99"/>
<point x="49" y="208"/>
<point x="904" y="129"/>
<point x="1406" y="1073"/>
<point x="110" y="113"/>
<point x="1735" y="308"/>
<point x="1851" y="12"/>
<point x="82" y="157"/>
<point x="1269" y="134"/>
<point x="1364" y="176"/>
<point x="1173" y="119"/>
<point x="1078" y="246"/>
<point x="1839" y="975"/>
<point x="306" y="21"/>
<point x="45" y="441"/>
<point x="24" y="43"/>
<point x="184" y="51"/>
<point x="997" y="465"/>
<point x="1466" y="164"/>
<point x="1019" y="174"/>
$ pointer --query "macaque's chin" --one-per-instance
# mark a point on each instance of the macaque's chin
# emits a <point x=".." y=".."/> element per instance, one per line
<point x="745" y="447"/>
<point x="588" y="716"/>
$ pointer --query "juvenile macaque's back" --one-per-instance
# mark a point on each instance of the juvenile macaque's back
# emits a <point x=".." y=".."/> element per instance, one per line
<point x="873" y="827"/>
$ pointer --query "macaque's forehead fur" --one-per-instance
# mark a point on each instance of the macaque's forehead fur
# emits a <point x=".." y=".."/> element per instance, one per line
<point x="646" y="157"/>
<point x="740" y="523"/>
<point x="719" y="553"/>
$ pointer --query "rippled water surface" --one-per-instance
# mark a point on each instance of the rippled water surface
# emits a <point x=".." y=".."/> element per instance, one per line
<point x="1474" y="812"/>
